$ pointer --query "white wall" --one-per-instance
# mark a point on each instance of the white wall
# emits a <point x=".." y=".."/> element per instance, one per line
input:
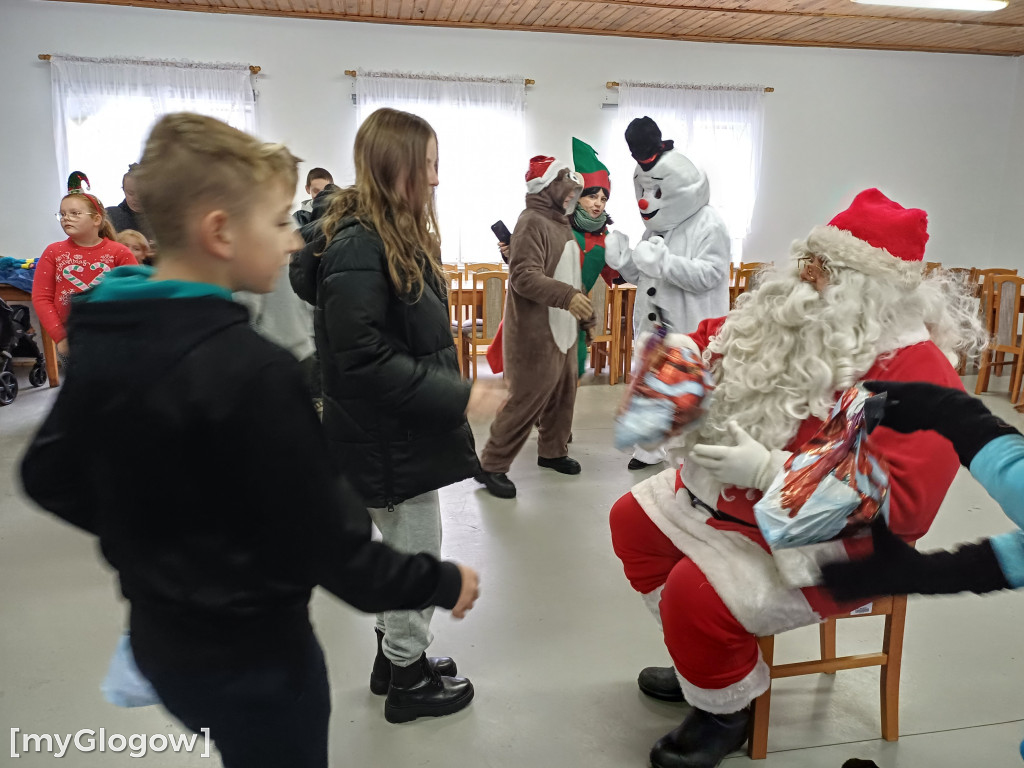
<point x="934" y="131"/>
<point x="1008" y="245"/>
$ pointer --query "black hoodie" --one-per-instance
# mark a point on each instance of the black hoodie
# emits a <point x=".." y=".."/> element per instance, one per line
<point x="188" y="445"/>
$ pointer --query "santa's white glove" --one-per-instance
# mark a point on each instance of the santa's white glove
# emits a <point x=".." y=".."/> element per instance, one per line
<point x="748" y="464"/>
<point x="649" y="256"/>
<point x="616" y="249"/>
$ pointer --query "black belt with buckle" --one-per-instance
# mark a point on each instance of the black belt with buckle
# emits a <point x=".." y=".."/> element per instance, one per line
<point x="717" y="513"/>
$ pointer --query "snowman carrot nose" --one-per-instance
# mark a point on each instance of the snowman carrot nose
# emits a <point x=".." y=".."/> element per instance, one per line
<point x="643" y="204"/>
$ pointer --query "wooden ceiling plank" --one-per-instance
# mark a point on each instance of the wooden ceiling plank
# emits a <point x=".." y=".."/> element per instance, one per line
<point x="483" y="10"/>
<point x="660" y="20"/>
<point x="524" y="10"/>
<point x="835" y="25"/>
<point x="616" y="21"/>
<point x="548" y="18"/>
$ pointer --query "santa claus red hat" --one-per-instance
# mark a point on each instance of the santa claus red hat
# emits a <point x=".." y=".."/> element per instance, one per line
<point x="875" y="235"/>
<point x="542" y="171"/>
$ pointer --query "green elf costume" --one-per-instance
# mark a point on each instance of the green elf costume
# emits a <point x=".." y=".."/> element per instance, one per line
<point x="590" y="232"/>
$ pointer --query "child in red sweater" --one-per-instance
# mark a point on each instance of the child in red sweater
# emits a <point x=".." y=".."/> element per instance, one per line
<point x="70" y="266"/>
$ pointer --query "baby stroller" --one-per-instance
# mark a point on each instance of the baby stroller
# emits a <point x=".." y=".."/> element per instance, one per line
<point x="16" y="340"/>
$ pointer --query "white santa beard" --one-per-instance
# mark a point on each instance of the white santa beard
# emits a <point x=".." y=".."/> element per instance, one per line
<point x="786" y="350"/>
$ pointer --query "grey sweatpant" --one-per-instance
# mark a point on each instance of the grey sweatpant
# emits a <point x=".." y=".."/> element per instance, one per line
<point x="413" y="526"/>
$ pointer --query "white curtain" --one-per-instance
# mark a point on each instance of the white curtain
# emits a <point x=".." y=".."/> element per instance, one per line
<point x="481" y="161"/>
<point x="103" y="109"/>
<point x="720" y="128"/>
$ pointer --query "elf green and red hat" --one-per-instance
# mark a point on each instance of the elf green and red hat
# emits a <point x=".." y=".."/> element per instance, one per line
<point x="594" y="172"/>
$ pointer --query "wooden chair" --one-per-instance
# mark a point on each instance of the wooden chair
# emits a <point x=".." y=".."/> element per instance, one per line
<point x="601" y="336"/>
<point x="486" y="309"/>
<point x="456" y="308"/>
<point x="895" y="611"/>
<point x="621" y="322"/>
<point x="469" y="269"/>
<point x="742" y="278"/>
<point x="931" y="266"/>
<point x="1001" y="295"/>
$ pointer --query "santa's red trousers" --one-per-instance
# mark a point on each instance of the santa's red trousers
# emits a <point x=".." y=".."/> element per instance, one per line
<point x="709" y="647"/>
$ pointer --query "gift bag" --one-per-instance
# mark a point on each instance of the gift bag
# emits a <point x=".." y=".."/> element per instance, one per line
<point x="669" y="386"/>
<point x="834" y="485"/>
<point x="124" y="685"/>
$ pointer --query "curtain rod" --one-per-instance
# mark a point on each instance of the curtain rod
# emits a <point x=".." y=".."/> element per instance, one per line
<point x="353" y="73"/>
<point x="252" y="67"/>
<point x="683" y="86"/>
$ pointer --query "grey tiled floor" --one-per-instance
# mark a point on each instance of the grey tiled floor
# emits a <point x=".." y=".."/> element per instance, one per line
<point x="553" y="647"/>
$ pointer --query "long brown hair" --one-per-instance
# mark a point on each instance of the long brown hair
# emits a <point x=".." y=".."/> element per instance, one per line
<point x="391" y="170"/>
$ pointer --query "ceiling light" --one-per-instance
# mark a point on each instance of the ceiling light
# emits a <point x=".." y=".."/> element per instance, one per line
<point x="946" y="5"/>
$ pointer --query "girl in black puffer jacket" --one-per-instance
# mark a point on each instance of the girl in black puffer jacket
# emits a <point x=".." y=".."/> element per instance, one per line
<point x="395" y="402"/>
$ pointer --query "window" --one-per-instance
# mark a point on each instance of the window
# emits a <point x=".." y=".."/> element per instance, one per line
<point x="481" y="156"/>
<point x="104" y="109"/>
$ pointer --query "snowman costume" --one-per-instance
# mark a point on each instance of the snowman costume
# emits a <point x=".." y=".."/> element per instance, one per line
<point x="681" y="266"/>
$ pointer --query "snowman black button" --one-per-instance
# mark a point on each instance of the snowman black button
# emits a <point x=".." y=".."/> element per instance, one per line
<point x="651" y="291"/>
<point x="652" y="317"/>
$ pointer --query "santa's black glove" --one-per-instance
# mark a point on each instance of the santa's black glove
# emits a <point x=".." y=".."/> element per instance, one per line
<point x="896" y="568"/>
<point x="958" y="417"/>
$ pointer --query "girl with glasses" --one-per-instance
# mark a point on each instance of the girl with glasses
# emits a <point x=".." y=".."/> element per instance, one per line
<point x="70" y="266"/>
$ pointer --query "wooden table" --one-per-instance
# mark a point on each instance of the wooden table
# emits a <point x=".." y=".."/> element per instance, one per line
<point x="11" y="294"/>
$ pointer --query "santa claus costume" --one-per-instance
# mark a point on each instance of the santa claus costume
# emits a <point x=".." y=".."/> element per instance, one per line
<point x="681" y="266"/>
<point x="539" y="330"/>
<point x="855" y="307"/>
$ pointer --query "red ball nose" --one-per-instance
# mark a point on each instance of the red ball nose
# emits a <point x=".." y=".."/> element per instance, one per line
<point x="643" y="204"/>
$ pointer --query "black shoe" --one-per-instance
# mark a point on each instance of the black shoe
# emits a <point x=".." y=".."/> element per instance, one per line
<point x="380" y="677"/>
<point x="418" y="691"/>
<point x="637" y="464"/>
<point x="702" y="741"/>
<point x="497" y="483"/>
<point x="565" y="465"/>
<point x="660" y="683"/>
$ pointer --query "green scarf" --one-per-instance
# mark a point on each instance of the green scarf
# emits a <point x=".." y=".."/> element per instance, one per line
<point x="585" y="223"/>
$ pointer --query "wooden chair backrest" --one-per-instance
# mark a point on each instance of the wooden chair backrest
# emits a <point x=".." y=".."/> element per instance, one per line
<point x="469" y="269"/>
<point x="489" y="310"/>
<point x="599" y="297"/>
<point x="1002" y="310"/>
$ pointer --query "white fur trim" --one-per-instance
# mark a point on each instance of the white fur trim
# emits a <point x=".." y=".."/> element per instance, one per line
<point x="653" y="602"/>
<point x="535" y="185"/>
<point x="841" y="249"/>
<point x="564" y="327"/>
<point x="732" y="698"/>
<point x="744" y="575"/>
<point x="907" y="338"/>
<point x="801" y="566"/>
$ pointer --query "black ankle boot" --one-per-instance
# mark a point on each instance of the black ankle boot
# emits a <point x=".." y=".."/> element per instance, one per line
<point x="660" y="683"/>
<point x="418" y="691"/>
<point x="497" y="483"/>
<point x="563" y="464"/>
<point x="702" y="741"/>
<point x="380" y="677"/>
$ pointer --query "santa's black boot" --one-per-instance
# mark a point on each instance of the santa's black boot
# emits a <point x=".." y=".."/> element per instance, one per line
<point x="418" y="691"/>
<point x="380" y="677"/>
<point x="702" y="741"/>
<point x="660" y="683"/>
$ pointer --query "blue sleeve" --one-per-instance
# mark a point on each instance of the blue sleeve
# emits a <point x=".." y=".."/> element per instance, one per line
<point x="999" y="467"/>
